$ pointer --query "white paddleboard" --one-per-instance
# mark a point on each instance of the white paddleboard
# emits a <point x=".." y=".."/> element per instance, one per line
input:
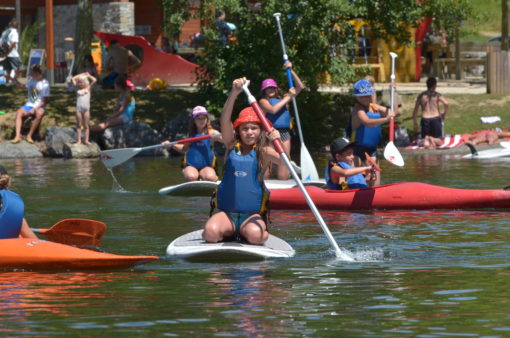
<point x="205" y="188"/>
<point x="192" y="246"/>
<point x="489" y="153"/>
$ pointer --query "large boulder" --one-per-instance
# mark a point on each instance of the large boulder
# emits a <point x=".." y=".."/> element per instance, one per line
<point x="55" y="139"/>
<point x="74" y="150"/>
<point x="19" y="150"/>
<point x="133" y="135"/>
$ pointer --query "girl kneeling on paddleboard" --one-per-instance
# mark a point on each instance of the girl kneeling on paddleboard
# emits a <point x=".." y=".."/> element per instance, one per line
<point x="199" y="162"/>
<point x="242" y="196"/>
<point x="276" y="106"/>
<point x="12" y="210"/>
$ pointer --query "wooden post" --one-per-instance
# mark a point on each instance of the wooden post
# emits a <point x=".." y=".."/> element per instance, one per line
<point x="504" y="24"/>
<point x="50" y="56"/>
<point x="18" y="14"/>
<point x="458" y="69"/>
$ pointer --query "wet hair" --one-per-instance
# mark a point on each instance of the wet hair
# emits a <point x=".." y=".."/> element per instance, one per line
<point x="431" y="82"/>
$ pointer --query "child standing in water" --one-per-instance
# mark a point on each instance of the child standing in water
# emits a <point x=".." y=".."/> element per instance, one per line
<point x="276" y="106"/>
<point x="199" y="161"/>
<point x="124" y="110"/>
<point x="84" y="83"/>
<point x="242" y="197"/>
<point x="341" y="173"/>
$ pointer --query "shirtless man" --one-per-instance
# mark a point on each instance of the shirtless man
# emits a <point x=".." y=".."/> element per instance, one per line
<point x="121" y="61"/>
<point x="431" y="119"/>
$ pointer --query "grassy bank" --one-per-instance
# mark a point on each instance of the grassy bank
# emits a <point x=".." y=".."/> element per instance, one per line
<point x="322" y="117"/>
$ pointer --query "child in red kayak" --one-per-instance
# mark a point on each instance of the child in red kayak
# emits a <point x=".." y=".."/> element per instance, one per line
<point x="276" y="106"/>
<point x="199" y="161"/>
<point x="242" y="196"/>
<point x="341" y="173"/>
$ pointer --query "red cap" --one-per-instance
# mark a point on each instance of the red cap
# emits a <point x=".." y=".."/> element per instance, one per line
<point x="247" y="115"/>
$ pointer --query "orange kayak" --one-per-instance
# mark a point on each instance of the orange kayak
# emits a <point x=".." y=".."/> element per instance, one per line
<point x="30" y="254"/>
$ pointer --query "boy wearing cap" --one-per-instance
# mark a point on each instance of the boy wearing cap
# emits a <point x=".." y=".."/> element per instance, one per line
<point x="366" y="120"/>
<point x="341" y="173"/>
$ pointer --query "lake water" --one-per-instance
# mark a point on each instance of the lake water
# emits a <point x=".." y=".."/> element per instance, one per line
<point x="418" y="273"/>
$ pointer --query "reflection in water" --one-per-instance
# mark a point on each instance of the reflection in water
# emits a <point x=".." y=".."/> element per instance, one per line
<point x="26" y="296"/>
<point x="250" y="297"/>
<point x="83" y="173"/>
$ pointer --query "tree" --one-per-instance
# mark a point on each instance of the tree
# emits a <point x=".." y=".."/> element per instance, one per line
<point x="84" y="32"/>
<point x="175" y="14"/>
<point x="504" y="25"/>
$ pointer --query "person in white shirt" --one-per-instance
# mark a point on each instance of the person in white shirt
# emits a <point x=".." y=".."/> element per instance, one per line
<point x="38" y="92"/>
<point x="10" y="40"/>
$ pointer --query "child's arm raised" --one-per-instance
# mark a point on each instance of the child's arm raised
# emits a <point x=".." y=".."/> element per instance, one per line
<point x="298" y="84"/>
<point x="268" y="108"/>
<point x="365" y="120"/>
<point x="227" y="131"/>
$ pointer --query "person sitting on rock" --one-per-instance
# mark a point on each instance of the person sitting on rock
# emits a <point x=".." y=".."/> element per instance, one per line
<point x="38" y="92"/>
<point x="124" y="110"/>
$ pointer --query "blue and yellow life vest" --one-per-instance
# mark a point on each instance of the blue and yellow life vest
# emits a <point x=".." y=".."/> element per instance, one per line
<point x="200" y="154"/>
<point x="352" y="182"/>
<point x="11" y="214"/>
<point x="242" y="188"/>
<point x="282" y="118"/>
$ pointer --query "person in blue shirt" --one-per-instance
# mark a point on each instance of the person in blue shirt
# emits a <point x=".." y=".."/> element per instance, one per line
<point x="242" y="197"/>
<point x="341" y="173"/>
<point x="199" y="161"/>
<point x="12" y="209"/>
<point x="365" y="123"/>
<point x="276" y="106"/>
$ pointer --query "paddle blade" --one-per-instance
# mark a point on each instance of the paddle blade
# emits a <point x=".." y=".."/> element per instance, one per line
<point x="114" y="157"/>
<point x="75" y="231"/>
<point x="505" y="144"/>
<point x="308" y="170"/>
<point x="392" y="155"/>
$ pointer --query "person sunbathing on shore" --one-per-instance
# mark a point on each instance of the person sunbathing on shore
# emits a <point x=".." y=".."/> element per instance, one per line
<point x="486" y="136"/>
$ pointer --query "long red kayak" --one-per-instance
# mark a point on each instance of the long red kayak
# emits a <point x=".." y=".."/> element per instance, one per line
<point x="408" y="195"/>
<point x="30" y="254"/>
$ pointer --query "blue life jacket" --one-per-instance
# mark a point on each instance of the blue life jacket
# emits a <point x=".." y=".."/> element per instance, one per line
<point x="353" y="182"/>
<point x="11" y="214"/>
<point x="282" y="118"/>
<point x="200" y="154"/>
<point x="369" y="136"/>
<point x="241" y="189"/>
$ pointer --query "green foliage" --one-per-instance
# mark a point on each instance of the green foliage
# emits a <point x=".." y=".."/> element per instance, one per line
<point x="83" y="33"/>
<point x="28" y="40"/>
<point x="175" y="14"/>
<point x="448" y="15"/>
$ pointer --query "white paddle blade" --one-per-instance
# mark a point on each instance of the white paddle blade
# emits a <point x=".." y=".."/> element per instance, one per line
<point x="308" y="170"/>
<point x="114" y="157"/>
<point x="392" y="155"/>
<point x="505" y="144"/>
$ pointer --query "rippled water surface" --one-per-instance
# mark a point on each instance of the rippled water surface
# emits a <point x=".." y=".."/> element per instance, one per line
<point x="417" y="273"/>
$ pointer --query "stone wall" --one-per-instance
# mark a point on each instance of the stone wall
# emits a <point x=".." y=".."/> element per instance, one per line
<point x="114" y="17"/>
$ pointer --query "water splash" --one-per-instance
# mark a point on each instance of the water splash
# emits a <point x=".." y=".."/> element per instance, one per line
<point x="116" y="187"/>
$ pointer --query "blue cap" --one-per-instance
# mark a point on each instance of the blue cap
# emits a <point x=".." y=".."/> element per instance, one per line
<point x="363" y="88"/>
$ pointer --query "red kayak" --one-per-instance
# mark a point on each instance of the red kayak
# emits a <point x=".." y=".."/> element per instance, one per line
<point x="410" y="195"/>
<point x="22" y="253"/>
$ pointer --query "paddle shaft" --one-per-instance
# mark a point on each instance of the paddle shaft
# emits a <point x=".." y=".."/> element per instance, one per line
<point x="392" y="97"/>
<point x="279" y="148"/>
<point x="289" y="76"/>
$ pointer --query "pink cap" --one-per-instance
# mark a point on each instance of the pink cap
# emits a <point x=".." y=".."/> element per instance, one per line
<point x="268" y="83"/>
<point x="199" y="110"/>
